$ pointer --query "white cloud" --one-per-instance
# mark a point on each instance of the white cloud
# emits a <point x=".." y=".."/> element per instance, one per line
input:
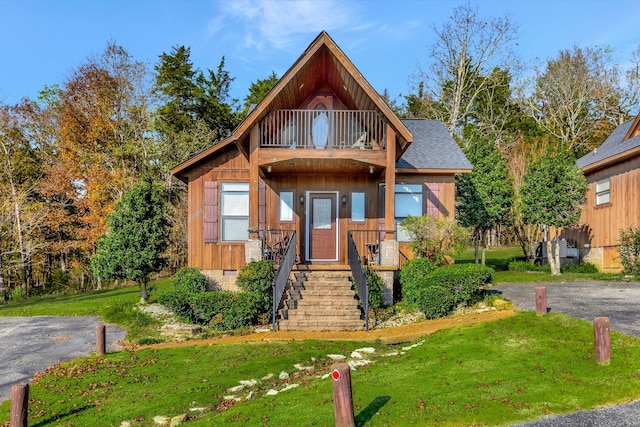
<point x="278" y="24"/>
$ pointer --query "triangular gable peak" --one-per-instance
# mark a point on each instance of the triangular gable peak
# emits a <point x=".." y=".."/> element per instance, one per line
<point x="634" y="130"/>
<point x="322" y="68"/>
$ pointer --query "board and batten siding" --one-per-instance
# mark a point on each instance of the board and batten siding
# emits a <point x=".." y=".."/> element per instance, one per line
<point x="600" y="225"/>
<point x="210" y="253"/>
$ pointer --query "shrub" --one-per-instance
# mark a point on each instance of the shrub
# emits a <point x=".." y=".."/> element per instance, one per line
<point x="525" y="266"/>
<point x="224" y="310"/>
<point x="630" y="251"/>
<point x="435" y="302"/>
<point x="585" y="267"/>
<point x="412" y="277"/>
<point x="465" y="282"/>
<point x="190" y="280"/>
<point x="18" y="294"/>
<point x="433" y="238"/>
<point x="376" y="288"/>
<point x="257" y="277"/>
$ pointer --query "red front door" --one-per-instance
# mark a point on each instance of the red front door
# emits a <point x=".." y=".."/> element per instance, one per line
<point x="323" y="245"/>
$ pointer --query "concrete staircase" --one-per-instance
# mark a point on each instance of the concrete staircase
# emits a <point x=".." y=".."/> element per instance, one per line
<point x="320" y="301"/>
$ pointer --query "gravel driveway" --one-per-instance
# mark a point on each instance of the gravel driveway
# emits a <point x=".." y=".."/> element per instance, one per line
<point x="31" y="344"/>
<point x="620" y="302"/>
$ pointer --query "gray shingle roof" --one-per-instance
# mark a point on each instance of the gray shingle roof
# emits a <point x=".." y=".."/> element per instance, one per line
<point x="612" y="146"/>
<point x="432" y="147"/>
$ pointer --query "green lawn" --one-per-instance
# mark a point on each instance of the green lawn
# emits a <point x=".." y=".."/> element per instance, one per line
<point x="499" y="259"/>
<point x="498" y="373"/>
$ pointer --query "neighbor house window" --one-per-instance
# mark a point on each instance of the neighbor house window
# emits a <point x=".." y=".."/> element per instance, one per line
<point x="286" y="206"/>
<point x="602" y="191"/>
<point x="357" y="206"/>
<point x="408" y="202"/>
<point x="234" y="211"/>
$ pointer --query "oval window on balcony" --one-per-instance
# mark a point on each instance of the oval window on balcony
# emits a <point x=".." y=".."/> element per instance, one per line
<point x="320" y="127"/>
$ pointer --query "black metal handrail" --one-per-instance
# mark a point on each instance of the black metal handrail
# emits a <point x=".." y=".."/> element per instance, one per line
<point x="282" y="276"/>
<point x="355" y="263"/>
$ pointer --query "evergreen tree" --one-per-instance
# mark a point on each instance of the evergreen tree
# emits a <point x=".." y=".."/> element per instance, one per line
<point x="485" y="196"/>
<point x="135" y="239"/>
<point x="552" y="194"/>
<point x="257" y="91"/>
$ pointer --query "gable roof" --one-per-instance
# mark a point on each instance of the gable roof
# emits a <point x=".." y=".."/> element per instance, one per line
<point x="322" y="64"/>
<point x="617" y="147"/>
<point x="433" y="148"/>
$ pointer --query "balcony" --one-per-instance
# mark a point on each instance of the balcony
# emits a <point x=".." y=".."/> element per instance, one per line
<point x="323" y="130"/>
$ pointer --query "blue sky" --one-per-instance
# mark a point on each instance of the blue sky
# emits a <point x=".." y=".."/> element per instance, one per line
<point x="43" y="40"/>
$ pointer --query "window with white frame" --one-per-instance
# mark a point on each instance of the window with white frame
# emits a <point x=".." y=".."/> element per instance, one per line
<point x="286" y="206"/>
<point x="602" y="191"/>
<point x="234" y="211"/>
<point x="357" y="206"/>
<point x="408" y="202"/>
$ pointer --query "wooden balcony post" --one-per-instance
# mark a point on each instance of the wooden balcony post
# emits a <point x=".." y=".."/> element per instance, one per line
<point x="390" y="180"/>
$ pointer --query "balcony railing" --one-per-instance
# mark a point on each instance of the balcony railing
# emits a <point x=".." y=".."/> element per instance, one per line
<point x="323" y="129"/>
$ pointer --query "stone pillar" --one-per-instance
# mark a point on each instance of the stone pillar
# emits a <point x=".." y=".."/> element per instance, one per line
<point x="389" y="257"/>
<point x="389" y="253"/>
<point x="253" y="250"/>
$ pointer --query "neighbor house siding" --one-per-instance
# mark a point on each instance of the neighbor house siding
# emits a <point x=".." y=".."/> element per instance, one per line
<point x="600" y="225"/>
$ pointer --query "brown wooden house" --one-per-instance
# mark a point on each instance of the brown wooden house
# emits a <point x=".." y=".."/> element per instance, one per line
<point x="322" y="164"/>
<point x="613" y="199"/>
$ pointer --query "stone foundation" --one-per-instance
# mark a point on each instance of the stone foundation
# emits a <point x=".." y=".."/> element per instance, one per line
<point x="218" y="279"/>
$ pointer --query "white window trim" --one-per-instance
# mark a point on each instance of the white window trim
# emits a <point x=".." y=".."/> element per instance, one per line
<point x="237" y="189"/>
<point x="603" y="195"/>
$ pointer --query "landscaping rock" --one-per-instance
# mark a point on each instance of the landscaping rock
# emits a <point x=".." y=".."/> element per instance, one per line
<point x="272" y="392"/>
<point x="179" y="419"/>
<point x="161" y="420"/>
<point x="236" y="389"/>
<point x="180" y="330"/>
<point x="336" y="356"/>
<point x="283" y="375"/>
<point x="367" y="350"/>
<point x="248" y="383"/>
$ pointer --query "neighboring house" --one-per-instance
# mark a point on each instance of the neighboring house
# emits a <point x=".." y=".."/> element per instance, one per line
<point x="325" y="157"/>
<point x="613" y="199"/>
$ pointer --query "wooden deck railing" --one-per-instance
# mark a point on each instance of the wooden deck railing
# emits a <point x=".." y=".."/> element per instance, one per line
<point x="324" y="129"/>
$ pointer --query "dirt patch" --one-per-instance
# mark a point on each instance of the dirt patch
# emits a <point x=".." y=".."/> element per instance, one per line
<point x="395" y="335"/>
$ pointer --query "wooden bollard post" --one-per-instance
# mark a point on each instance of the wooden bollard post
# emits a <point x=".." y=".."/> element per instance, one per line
<point x="342" y="397"/>
<point x="19" y="405"/>
<point x="101" y="343"/>
<point x="602" y="341"/>
<point x="541" y="299"/>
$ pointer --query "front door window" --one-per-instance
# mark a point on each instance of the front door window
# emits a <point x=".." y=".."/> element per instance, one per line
<point x="323" y="238"/>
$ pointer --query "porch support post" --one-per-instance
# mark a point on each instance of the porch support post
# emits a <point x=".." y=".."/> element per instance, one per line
<point x="390" y="180"/>
<point x="254" y="178"/>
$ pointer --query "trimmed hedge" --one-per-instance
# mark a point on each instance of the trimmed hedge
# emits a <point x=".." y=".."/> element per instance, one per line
<point x="221" y="310"/>
<point x="435" y="302"/>
<point x="412" y="278"/>
<point x="464" y="281"/>
<point x="438" y="291"/>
